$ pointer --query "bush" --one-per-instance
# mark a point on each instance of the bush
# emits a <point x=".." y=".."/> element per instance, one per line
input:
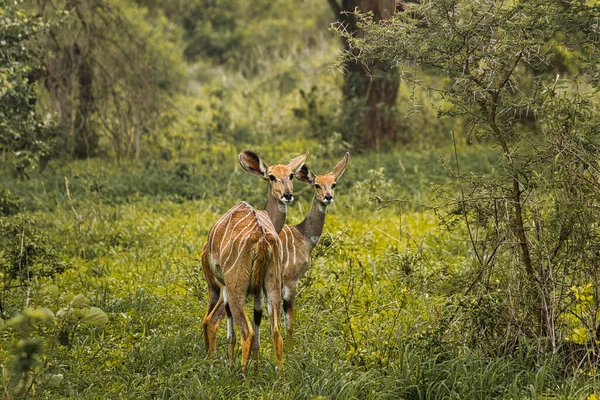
<point x="25" y="255"/>
<point x="9" y="203"/>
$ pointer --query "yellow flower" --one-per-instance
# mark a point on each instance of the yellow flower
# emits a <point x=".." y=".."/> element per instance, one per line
<point x="580" y="335"/>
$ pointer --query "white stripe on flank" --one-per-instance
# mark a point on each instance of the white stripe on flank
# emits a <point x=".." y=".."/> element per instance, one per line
<point x="293" y="246"/>
<point x="245" y="233"/>
<point x="241" y="219"/>
<point x="213" y="232"/>
<point x="213" y="235"/>
<point x="236" y="233"/>
<point x="242" y="245"/>
<point x="225" y="232"/>
<point x="264" y="222"/>
<point x="217" y="233"/>
<point x="231" y="241"/>
<point x="286" y="249"/>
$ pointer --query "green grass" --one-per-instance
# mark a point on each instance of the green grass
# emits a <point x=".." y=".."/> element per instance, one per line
<point x="370" y="311"/>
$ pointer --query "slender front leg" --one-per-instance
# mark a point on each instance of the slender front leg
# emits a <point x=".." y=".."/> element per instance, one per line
<point x="239" y="316"/>
<point x="273" y="301"/>
<point x="231" y="339"/>
<point x="273" y="290"/>
<point x="209" y="328"/>
<point x="215" y="319"/>
<point x="289" y="297"/>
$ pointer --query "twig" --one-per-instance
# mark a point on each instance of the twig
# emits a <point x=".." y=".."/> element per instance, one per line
<point x="348" y="300"/>
<point x="466" y="215"/>
<point x="77" y="216"/>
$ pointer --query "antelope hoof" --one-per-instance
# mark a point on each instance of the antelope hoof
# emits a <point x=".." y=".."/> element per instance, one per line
<point x="246" y="352"/>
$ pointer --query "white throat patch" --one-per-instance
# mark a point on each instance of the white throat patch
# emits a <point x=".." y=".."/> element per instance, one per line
<point x="315" y="239"/>
<point x="323" y="208"/>
<point x="282" y="207"/>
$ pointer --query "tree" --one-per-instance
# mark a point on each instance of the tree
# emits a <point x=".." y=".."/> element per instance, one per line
<point x="370" y="89"/>
<point x="499" y="64"/>
<point x="21" y="130"/>
<point x="111" y="70"/>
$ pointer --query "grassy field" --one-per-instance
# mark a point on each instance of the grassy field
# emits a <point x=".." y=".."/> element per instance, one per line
<point x="374" y="313"/>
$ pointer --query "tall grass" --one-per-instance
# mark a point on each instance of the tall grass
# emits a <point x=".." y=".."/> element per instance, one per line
<point x="370" y="316"/>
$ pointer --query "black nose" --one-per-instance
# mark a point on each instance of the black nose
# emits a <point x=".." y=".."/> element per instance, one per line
<point x="288" y="196"/>
<point x="329" y="198"/>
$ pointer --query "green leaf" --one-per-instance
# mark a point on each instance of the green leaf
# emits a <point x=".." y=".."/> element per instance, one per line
<point x="55" y="380"/>
<point x="15" y="321"/>
<point x="1" y="324"/>
<point x="95" y="316"/>
<point x="79" y="301"/>
<point x="52" y="290"/>
<point x="40" y="313"/>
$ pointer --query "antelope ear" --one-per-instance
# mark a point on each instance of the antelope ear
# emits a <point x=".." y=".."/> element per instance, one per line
<point x="305" y="175"/>
<point x="252" y="163"/>
<point x="339" y="169"/>
<point x="297" y="163"/>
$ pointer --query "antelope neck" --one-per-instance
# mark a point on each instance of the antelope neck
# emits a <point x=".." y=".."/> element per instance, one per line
<point x="312" y="226"/>
<point x="276" y="211"/>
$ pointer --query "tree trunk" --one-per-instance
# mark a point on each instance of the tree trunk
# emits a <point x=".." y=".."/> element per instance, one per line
<point x="370" y="92"/>
<point x="375" y="96"/>
<point x="86" y="140"/>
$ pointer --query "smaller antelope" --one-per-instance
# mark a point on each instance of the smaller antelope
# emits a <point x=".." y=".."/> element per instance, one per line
<point x="242" y="256"/>
<point x="299" y="240"/>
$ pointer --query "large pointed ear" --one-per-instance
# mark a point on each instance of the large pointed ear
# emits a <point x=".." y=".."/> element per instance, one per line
<point x="305" y="175"/>
<point x="339" y="169"/>
<point x="297" y="163"/>
<point x="252" y="163"/>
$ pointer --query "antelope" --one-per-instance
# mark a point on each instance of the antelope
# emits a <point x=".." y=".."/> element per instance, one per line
<point x="242" y="256"/>
<point x="299" y="240"/>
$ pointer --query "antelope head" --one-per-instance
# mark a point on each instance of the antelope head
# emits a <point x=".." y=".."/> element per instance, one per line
<point x="279" y="176"/>
<point x="324" y="185"/>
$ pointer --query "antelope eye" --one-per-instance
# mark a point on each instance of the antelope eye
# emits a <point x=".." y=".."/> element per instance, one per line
<point x="333" y="186"/>
<point x="317" y="186"/>
<point x="272" y="178"/>
<point x="291" y="176"/>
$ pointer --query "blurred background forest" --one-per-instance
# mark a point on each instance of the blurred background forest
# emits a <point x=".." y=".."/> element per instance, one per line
<point x="149" y="79"/>
<point x="461" y="258"/>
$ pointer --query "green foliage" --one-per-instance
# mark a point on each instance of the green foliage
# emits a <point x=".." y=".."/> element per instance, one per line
<point x="112" y="70"/>
<point x="211" y="30"/>
<point x="380" y="313"/>
<point x="529" y="223"/>
<point x="25" y="250"/>
<point x="320" y="121"/>
<point x="243" y="36"/>
<point x="23" y="134"/>
<point x="25" y="256"/>
<point x="417" y="288"/>
<point x="9" y="203"/>
<point x="37" y="334"/>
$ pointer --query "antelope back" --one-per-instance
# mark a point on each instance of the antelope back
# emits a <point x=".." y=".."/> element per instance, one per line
<point x="240" y="246"/>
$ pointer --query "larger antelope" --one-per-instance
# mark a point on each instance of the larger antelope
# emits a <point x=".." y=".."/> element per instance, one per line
<point x="299" y="240"/>
<point x="242" y="256"/>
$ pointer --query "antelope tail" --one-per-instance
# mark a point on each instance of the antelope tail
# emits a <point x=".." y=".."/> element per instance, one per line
<point x="261" y="259"/>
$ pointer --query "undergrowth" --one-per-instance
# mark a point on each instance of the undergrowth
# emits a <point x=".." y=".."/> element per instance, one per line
<point x="379" y="315"/>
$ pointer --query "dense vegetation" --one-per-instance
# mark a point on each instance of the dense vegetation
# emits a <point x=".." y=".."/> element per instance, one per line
<point x="460" y="262"/>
